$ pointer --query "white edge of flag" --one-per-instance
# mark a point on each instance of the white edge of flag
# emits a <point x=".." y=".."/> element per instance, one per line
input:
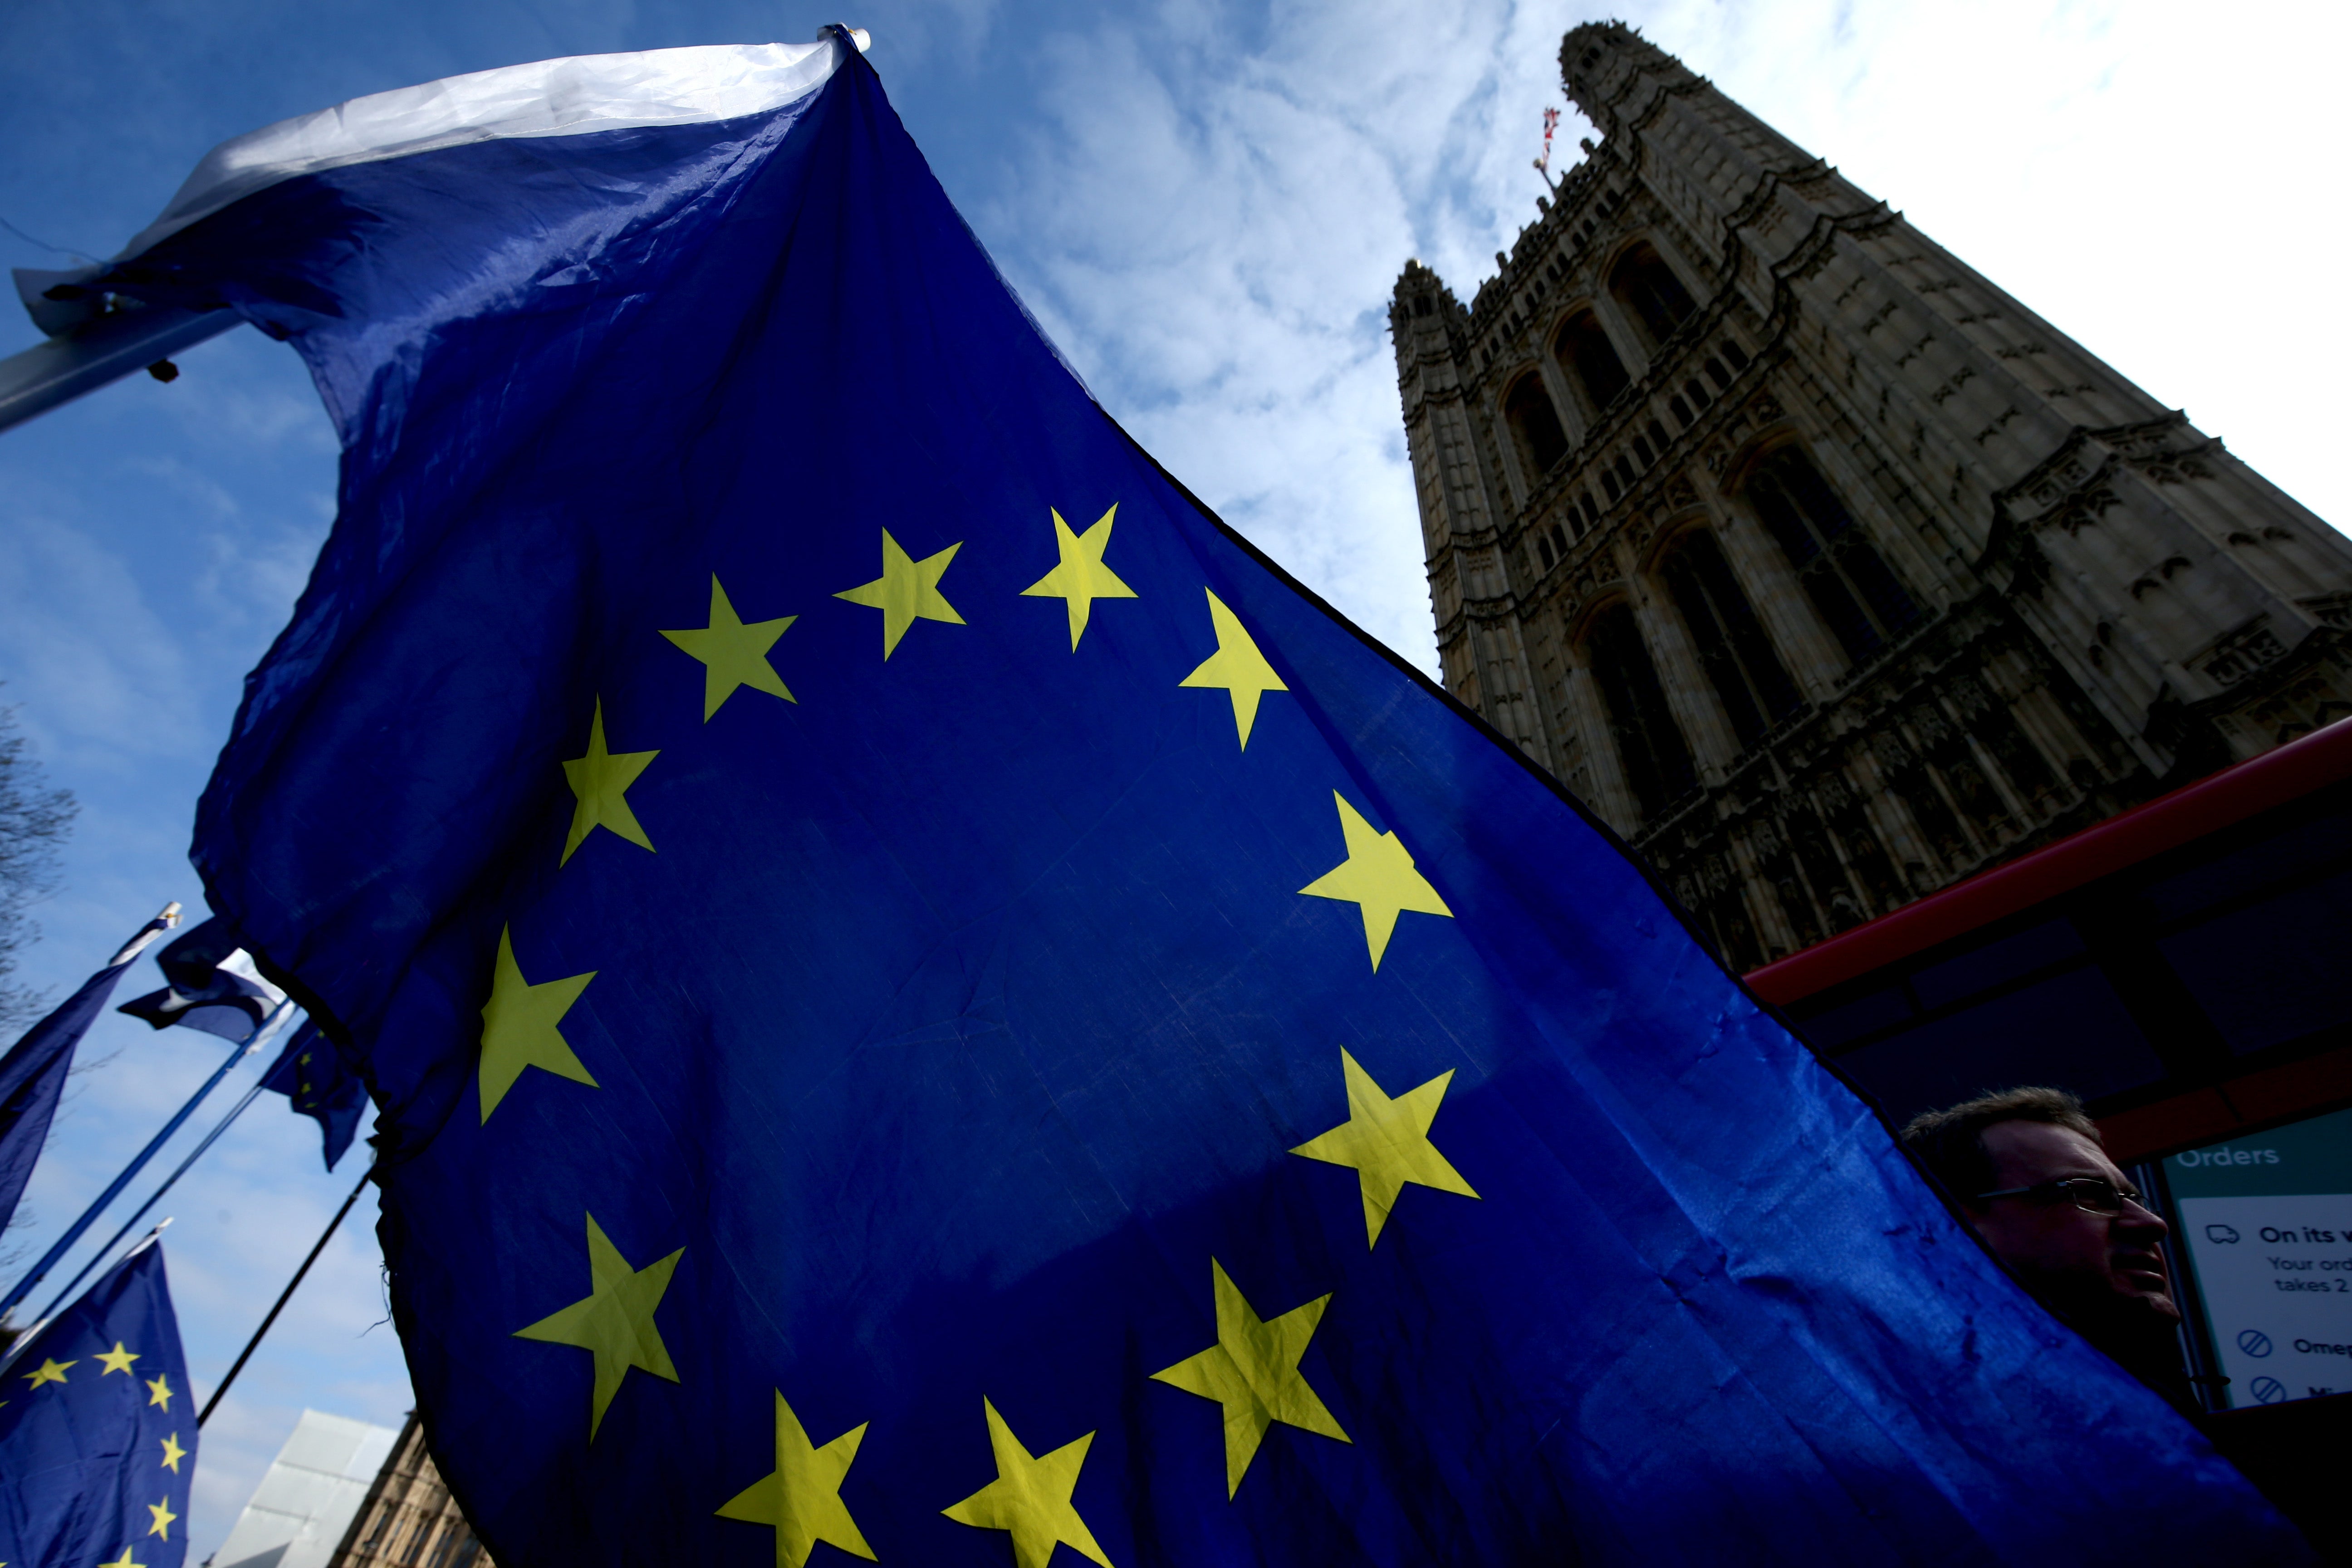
<point x="240" y="964"/>
<point x="570" y="96"/>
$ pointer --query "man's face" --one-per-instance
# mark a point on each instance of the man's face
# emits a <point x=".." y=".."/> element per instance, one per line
<point x="2082" y="1262"/>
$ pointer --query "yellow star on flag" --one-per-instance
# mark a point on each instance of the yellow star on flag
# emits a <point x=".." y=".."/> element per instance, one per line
<point x="163" y="1518"/>
<point x="173" y="1453"/>
<point x="1378" y="874"/>
<point x="159" y="1390"/>
<point x="48" y="1371"/>
<point x="1031" y="1497"/>
<point x="600" y="784"/>
<point x="519" y="1026"/>
<point x="1081" y="578"/>
<point x="801" y="1496"/>
<point x="123" y="1561"/>
<point x="615" y="1323"/>
<point x="1387" y="1142"/>
<point x="1236" y="667"/>
<point x="1253" y="1372"/>
<point x="733" y="653"/>
<point x="906" y="591"/>
<point x="117" y="1359"/>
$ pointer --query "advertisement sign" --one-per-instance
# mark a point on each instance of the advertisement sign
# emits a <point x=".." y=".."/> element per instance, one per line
<point x="2266" y="1222"/>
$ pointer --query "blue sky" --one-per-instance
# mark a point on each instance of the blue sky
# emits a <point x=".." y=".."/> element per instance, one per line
<point x="1206" y="205"/>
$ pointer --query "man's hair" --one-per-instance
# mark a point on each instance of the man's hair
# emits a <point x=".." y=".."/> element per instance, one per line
<point x="1951" y="1142"/>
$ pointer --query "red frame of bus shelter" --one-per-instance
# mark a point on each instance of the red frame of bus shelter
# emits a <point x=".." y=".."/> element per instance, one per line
<point x="2193" y="812"/>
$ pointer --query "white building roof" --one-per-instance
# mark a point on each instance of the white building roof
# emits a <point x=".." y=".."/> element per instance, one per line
<point x="308" y="1498"/>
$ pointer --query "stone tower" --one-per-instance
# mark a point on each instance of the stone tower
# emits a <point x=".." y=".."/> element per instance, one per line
<point x="1823" y="569"/>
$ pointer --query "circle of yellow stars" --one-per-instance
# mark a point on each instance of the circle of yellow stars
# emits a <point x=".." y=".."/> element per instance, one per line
<point x="1252" y="1371"/>
<point x="160" y="1394"/>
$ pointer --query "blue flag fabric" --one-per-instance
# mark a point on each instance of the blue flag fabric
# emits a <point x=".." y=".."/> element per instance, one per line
<point x="311" y="1074"/>
<point x="98" y="1430"/>
<point x="927" y="1002"/>
<point x="213" y="987"/>
<point x="32" y="1078"/>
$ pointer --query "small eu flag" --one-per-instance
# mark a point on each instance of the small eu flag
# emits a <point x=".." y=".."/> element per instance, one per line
<point x="311" y="1074"/>
<point x="97" y="1435"/>
<point x="928" y="1004"/>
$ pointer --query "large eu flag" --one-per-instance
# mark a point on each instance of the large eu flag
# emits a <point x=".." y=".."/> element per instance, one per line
<point x="97" y="1435"/>
<point x="927" y="1002"/>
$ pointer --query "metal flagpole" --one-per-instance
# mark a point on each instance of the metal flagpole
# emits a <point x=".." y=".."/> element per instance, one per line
<point x="165" y="919"/>
<point x="154" y="1198"/>
<point x="108" y="348"/>
<point x="286" y="1295"/>
<point x="1543" y="165"/>
<point x="32" y="1331"/>
<point x="40" y="1270"/>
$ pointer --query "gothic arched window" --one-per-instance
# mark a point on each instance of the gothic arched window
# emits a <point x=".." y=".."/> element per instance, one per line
<point x="1649" y="288"/>
<point x="1740" y="663"/>
<point x="1537" y="424"/>
<point x="1840" y="569"/>
<point x="1656" y="760"/>
<point x="1586" y="350"/>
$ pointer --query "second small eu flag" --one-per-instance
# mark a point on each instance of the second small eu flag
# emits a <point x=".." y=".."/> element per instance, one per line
<point x="98" y="1430"/>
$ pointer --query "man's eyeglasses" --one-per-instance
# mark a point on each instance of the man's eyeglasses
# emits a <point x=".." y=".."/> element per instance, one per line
<point x="2092" y="1194"/>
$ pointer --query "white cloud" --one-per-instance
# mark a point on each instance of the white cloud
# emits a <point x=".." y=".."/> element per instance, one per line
<point x="1208" y="215"/>
<point x="1211" y="231"/>
<point x="949" y="37"/>
<point x="76" y="628"/>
